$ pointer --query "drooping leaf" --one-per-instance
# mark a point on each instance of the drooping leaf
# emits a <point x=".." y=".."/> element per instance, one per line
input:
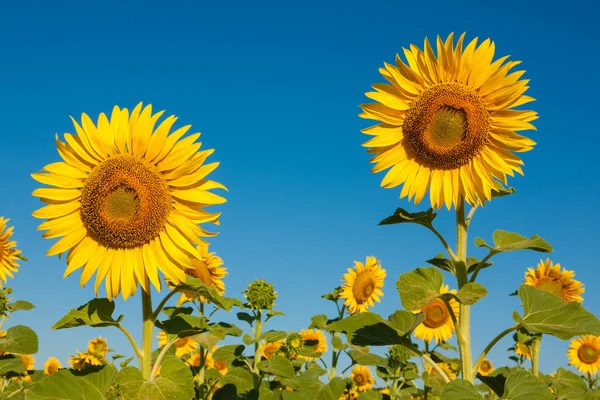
<point x="523" y="385"/>
<point x="198" y="287"/>
<point x="101" y="377"/>
<point x="334" y="295"/>
<point x="546" y="313"/>
<point x="509" y="241"/>
<point x="274" y="313"/>
<point x="441" y="262"/>
<point x="96" y="313"/>
<point x="419" y="287"/>
<point x="501" y="191"/>
<point x="19" y="339"/>
<point x="370" y="395"/>
<point x="569" y="386"/>
<point x="473" y="262"/>
<point x="244" y="316"/>
<point x="272" y="336"/>
<point x="227" y="392"/>
<point x="402" y="216"/>
<point x="173" y="383"/>
<point x="459" y="389"/>
<point x="278" y="366"/>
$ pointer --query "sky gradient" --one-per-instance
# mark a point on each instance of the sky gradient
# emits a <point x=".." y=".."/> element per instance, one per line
<point x="275" y="89"/>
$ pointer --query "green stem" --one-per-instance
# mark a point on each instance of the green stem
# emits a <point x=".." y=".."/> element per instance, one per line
<point x="535" y="354"/>
<point x="147" y="329"/>
<point x="136" y="349"/>
<point x="464" y="318"/>
<point x="256" y="336"/>
<point x="480" y="265"/>
<point x="491" y="344"/>
<point x="161" y="355"/>
<point x="446" y="246"/>
<point x="156" y="312"/>
<point x="429" y="361"/>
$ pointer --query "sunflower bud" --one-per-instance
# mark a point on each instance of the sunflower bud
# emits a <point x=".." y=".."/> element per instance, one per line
<point x="261" y="295"/>
<point x="294" y="342"/>
<point x="4" y="301"/>
<point x="399" y="355"/>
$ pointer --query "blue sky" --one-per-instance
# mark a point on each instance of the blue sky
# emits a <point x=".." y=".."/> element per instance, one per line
<point x="275" y="87"/>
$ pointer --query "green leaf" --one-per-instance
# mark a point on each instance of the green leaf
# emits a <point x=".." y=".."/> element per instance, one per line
<point x="501" y="191"/>
<point x="274" y="313"/>
<point x="523" y="385"/>
<point x="278" y="366"/>
<point x="367" y="329"/>
<point x="459" y="389"/>
<point x="370" y="395"/>
<point x="365" y="358"/>
<point x="229" y="352"/>
<point x="198" y="287"/>
<point x="333" y="295"/>
<point x="19" y="339"/>
<point x="471" y="293"/>
<point x="173" y="383"/>
<point x="322" y="391"/>
<point x="318" y="321"/>
<point x="96" y="313"/>
<point x="248" y="339"/>
<point x="183" y="326"/>
<point x="216" y="333"/>
<point x="227" y="392"/>
<point x="546" y="313"/>
<point x="125" y="362"/>
<point x="64" y="385"/>
<point x="10" y="363"/>
<point x="101" y="377"/>
<point x="244" y="316"/>
<point x="21" y="305"/>
<point x="175" y="311"/>
<point x="241" y="378"/>
<point x="509" y="241"/>
<point x="443" y="263"/>
<point x="569" y="386"/>
<point x="401" y="215"/>
<point x="473" y="262"/>
<point x="405" y="321"/>
<point x="272" y="336"/>
<point x="337" y="343"/>
<point x="419" y="287"/>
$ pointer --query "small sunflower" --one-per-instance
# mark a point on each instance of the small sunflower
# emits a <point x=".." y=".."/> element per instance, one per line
<point x="316" y="338"/>
<point x="486" y="367"/>
<point x="212" y="363"/>
<point x="8" y="252"/>
<point x="362" y="285"/>
<point x="550" y="278"/>
<point x="521" y="349"/>
<point x="444" y="367"/>
<point x="438" y="323"/>
<point x="448" y="123"/>
<point x="584" y="354"/>
<point x="268" y="350"/>
<point x="84" y="359"/>
<point x="183" y="346"/>
<point x="362" y="378"/>
<point x="209" y="270"/>
<point x="52" y="366"/>
<point x="98" y="346"/>
<point x="127" y="200"/>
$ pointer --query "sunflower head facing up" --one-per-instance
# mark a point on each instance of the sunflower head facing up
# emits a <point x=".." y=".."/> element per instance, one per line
<point x="9" y="254"/>
<point x="127" y="199"/>
<point x="209" y="269"/>
<point x="362" y="285"/>
<point x="552" y="279"/>
<point x="448" y="123"/>
<point x="584" y="354"/>
<point x="438" y="323"/>
<point x="362" y="378"/>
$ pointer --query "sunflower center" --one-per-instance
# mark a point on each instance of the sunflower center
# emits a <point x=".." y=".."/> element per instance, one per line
<point x="446" y="126"/>
<point x="363" y="287"/>
<point x="436" y="314"/>
<point x="359" y="379"/>
<point x="220" y="365"/>
<point x="485" y="366"/>
<point x="551" y="286"/>
<point x="125" y="202"/>
<point x="588" y="354"/>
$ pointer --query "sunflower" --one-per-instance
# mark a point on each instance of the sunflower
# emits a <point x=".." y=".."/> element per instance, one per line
<point x="268" y="350"/>
<point x="362" y="285"/>
<point x="183" y="346"/>
<point x="521" y="349"/>
<point x="550" y="278"/>
<point x="219" y="365"/>
<point x="448" y="123"/>
<point x="486" y="367"/>
<point x="444" y="367"/>
<point x="98" y="346"/>
<point x="315" y="338"/>
<point x="362" y="378"/>
<point x="8" y="253"/>
<point x="127" y="199"/>
<point x="209" y="270"/>
<point x="84" y="359"/>
<point x="584" y="354"/>
<point x="438" y="323"/>
<point x="52" y="366"/>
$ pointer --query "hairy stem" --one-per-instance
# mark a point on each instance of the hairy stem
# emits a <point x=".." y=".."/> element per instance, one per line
<point x="161" y="356"/>
<point x="464" y="317"/>
<point x="147" y="329"/>
<point x="492" y="344"/>
<point x="162" y="304"/>
<point x="535" y="354"/>
<point x="136" y="349"/>
<point x="444" y="243"/>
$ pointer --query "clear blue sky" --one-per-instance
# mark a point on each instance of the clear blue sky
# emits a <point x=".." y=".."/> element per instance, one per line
<point x="274" y="87"/>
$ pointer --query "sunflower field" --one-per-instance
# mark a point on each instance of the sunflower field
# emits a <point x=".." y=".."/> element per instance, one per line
<point x="129" y="205"/>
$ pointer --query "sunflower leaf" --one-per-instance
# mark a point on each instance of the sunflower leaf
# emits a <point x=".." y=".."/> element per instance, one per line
<point x="333" y="295"/>
<point x="459" y="389"/>
<point x="10" y="363"/>
<point x="441" y="262"/>
<point x="65" y="385"/>
<point x="20" y="305"/>
<point x="174" y="311"/>
<point x="272" y="336"/>
<point x="241" y="378"/>
<point x="470" y="293"/>
<point x="509" y="241"/>
<point x="569" y="386"/>
<point x="363" y="357"/>
<point x="370" y="395"/>
<point x="278" y="366"/>
<point x="96" y="313"/>
<point x="473" y="262"/>
<point x="368" y="329"/>
<point x="183" y="326"/>
<point x="501" y="191"/>
<point x="419" y="287"/>
<point x="229" y="352"/>
<point x="318" y="321"/>
<point x="320" y="390"/>
<point x="198" y="287"/>
<point x="523" y="385"/>
<point x="173" y="383"/>
<point x="19" y="339"/>
<point x="546" y="313"/>
<point x="424" y="218"/>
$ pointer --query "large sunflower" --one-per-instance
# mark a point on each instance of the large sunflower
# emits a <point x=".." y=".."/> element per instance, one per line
<point x="550" y="278"/>
<point x="448" y="123"/>
<point x="584" y="354"/>
<point x="127" y="199"/>
<point x="362" y="285"/>
<point x="8" y="253"/>
<point x="209" y="269"/>
<point x="438" y="323"/>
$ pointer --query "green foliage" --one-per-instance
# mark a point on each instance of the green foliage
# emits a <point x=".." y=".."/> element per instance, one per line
<point x="569" y="386"/>
<point x="173" y="383"/>
<point x="546" y="313"/>
<point x="419" y="287"/>
<point x="241" y="378"/>
<point x="361" y="356"/>
<point x="470" y="293"/>
<point x="11" y="364"/>
<point x="370" y="395"/>
<point x="183" y="325"/>
<point x="277" y="366"/>
<point x="229" y="352"/>
<point x="509" y="241"/>
<point x="368" y="329"/>
<point x="70" y="385"/>
<point x="523" y="385"/>
<point x="424" y="218"/>
<point x="21" y="305"/>
<point x="19" y="339"/>
<point x="96" y="313"/>
<point x="197" y="287"/>
<point x="460" y="389"/>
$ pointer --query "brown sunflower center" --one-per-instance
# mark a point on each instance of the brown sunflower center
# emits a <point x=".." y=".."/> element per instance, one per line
<point x="359" y="379"/>
<point x="446" y="126"/>
<point x="125" y="202"/>
<point x="436" y="314"/>
<point x="363" y="287"/>
<point x="485" y="366"/>
<point x="551" y="286"/>
<point x="220" y="364"/>
<point x="588" y="354"/>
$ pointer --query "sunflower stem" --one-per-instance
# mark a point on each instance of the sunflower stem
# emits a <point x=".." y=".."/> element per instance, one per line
<point x="162" y="304"/>
<point x="256" y="336"/>
<point x="464" y="316"/>
<point x="136" y="349"/>
<point x="492" y="344"/>
<point x="429" y="361"/>
<point x="160" y="357"/>
<point x="535" y="354"/>
<point x="147" y="329"/>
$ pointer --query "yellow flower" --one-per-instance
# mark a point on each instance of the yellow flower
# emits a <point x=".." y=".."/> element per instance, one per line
<point x="362" y="285"/>
<point x="183" y="346"/>
<point x="523" y="350"/>
<point x="486" y="367"/>
<point x="447" y="123"/>
<point x="127" y="199"/>
<point x="84" y="359"/>
<point x="315" y="338"/>
<point x="29" y="363"/>
<point x="219" y="365"/>
<point x="194" y="360"/>
<point x="362" y="378"/>
<point x="444" y="367"/>
<point x="209" y="270"/>
<point x="268" y="350"/>
<point x="438" y="323"/>
<point x="351" y="394"/>
<point x="584" y="354"/>
<point x="550" y="278"/>
<point x="8" y="253"/>
<point x="52" y="366"/>
<point x="98" y="346"/>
